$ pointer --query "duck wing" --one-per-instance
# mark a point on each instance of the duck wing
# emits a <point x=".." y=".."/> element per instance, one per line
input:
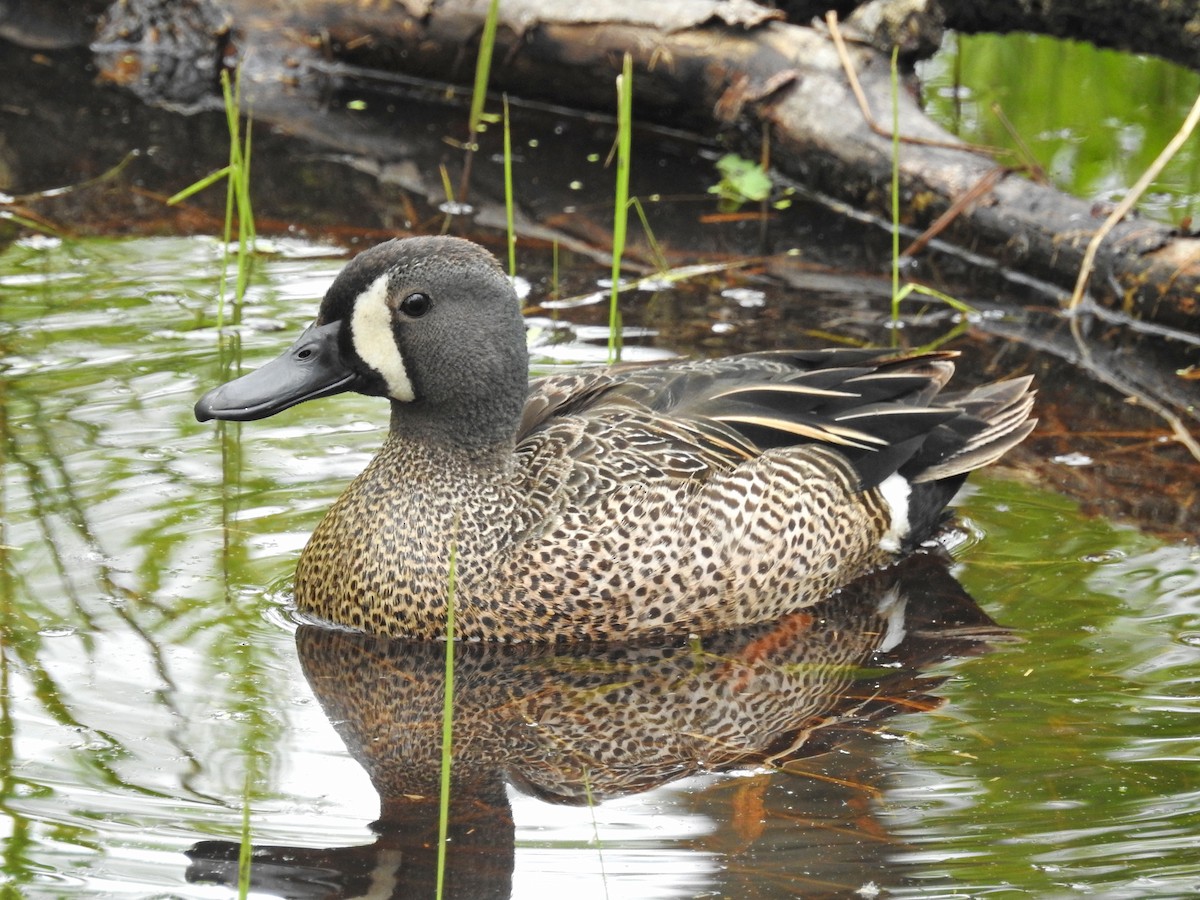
<point x="882" y="410"/>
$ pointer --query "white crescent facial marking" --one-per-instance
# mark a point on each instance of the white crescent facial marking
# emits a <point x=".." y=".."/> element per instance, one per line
<point x="896" y="491"/>
<point x="371" y="334"/>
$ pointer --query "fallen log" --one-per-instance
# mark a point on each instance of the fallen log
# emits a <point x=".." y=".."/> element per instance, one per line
<point x="727" y="66"/>
<point x="731" y="65"/>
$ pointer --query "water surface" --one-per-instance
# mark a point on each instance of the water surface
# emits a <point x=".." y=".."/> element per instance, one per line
<point x="154" y="682"/>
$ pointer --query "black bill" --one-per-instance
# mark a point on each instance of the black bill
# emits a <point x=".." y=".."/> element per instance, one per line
<point x="311" y="368"/>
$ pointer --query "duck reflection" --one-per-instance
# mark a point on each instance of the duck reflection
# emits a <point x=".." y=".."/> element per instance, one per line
<point x="575" y="724"/>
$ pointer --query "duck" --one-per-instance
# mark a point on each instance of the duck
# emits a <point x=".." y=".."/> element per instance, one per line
<point x="614" y="503"/>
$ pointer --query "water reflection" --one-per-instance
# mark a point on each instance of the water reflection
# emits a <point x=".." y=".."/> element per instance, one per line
<point x="581" y="725"/>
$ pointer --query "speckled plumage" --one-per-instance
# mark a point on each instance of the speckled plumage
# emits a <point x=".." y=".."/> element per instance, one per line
<point x="619" y="502"/>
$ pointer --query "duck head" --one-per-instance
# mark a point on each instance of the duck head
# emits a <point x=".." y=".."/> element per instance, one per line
<point x="431" y="323"/>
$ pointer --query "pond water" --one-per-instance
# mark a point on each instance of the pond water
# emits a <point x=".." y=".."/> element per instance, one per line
<point x="155" y="687"/>
<point x="1093" y="119"/>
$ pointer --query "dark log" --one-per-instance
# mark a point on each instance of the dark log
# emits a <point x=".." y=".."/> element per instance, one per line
<point x="1166" y="28"/>
<point x="707" y="65"/>
<point x="728" y="66"/>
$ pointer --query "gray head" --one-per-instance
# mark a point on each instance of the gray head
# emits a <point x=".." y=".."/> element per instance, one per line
<point x="432" y="323"/>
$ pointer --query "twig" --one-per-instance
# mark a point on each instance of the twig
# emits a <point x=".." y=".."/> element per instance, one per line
<point x="1036" y="172"/>
<point x="957" y="208"/>
<point x="1123" y="208"/>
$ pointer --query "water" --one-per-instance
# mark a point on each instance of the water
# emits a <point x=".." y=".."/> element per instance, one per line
<point x="153" y="680"/>
<point x="1093" y="119"/>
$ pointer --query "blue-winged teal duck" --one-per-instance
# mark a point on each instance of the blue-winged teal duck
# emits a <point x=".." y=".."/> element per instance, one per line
<point x="612" y="503"/>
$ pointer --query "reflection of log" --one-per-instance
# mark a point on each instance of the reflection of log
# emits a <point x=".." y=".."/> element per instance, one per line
<point x="1169" y="28"/>
<point x="709" y="65"/>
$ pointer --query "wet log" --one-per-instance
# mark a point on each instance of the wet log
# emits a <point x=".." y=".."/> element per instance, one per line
<point x="733" y="66"/>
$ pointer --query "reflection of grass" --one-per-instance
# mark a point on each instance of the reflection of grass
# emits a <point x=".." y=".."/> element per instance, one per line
<point x="245" y="848"/>
<point x="100" y="543"/>
<point x="591" y="805"/>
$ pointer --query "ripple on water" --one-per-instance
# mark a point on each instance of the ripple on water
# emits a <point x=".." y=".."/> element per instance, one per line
<point x="151" y="658"/>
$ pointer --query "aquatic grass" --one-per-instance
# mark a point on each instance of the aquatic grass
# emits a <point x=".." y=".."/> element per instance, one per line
<point x="656" y="251"/>
<point x="895" y="75"/>
<point x="476" y="116"/>
<point x="447" y="726"/>
<point x="508" y="194"/>
<point x="483" y="68"/>
<point x="237" y="195"/>
<point x="900" y="294"/>
<point x="555" y="286"/>
<point x="621" y="205"/>
<point x="591" y="805"/>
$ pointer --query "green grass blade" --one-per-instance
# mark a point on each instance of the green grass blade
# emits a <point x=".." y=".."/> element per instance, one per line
<point x="447" y="727"/>
<point x="508" y="195"/>
<point x="621" y="210"/>
<point x="555" y="290"/>
<point x="245" y="215"/>
<point x="245" y="849"/>
<point x="895" y="76"/>
<point x="198" y="186"/>
<point x="656" y="251"/>
<point x="483" y="66"/>
<point x="591" y="805"/>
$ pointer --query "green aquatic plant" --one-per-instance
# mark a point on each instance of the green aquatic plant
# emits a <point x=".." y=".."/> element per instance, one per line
<point x="237" y="195"/>
<point x="476" y="117"/>
<point x="621" y="204"/>
<point x="483" y="68"/>
<point x="245" y="848"/>
<point x="508" y="194"/>
<point x="900" y="294"/>
<point x="742" y="181"/>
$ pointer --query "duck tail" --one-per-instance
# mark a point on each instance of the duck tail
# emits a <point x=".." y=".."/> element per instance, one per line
<point x="995" y="419"/>
<point x="990" y="421"/>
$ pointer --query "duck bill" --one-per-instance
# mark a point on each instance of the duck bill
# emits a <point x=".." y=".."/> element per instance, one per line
<point x="312" y="367"/>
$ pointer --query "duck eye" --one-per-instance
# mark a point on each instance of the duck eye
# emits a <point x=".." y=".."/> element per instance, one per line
<point x="415" y="305"/>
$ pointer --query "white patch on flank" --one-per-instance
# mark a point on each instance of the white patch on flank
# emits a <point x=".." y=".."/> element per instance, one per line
<point x="371" y="331"/>
<point x="891" y="607"/>
<point x="895" y="491"/>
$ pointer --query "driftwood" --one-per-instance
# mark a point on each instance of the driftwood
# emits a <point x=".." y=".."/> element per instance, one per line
<point x="1166" y="28"/>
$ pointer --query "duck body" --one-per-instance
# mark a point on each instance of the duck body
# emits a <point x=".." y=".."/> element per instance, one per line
<point x="610" y="504"/>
